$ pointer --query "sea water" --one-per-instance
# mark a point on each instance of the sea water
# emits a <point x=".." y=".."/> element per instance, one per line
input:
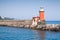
<point x="10" y="33"/>
<point x="52" y="22"/>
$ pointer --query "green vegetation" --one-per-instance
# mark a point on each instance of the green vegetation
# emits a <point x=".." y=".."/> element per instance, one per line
<point x="0" y="18"/>
<point x="6" y="18"/>
<point x="42" y="22"/>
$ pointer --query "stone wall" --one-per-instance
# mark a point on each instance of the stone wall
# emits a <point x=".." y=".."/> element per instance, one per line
<point x="16" y="23"/>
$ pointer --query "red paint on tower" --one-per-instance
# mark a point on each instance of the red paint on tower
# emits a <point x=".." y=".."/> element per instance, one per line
<point x="41" y="14"/>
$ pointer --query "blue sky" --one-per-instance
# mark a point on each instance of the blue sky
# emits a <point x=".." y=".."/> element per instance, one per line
<point x="26" y="9"/>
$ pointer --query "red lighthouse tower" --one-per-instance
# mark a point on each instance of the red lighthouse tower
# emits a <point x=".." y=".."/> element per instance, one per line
<point x="41" y="14"/>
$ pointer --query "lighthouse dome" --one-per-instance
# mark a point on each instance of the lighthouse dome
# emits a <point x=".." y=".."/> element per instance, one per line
<point x="41" y="9"/>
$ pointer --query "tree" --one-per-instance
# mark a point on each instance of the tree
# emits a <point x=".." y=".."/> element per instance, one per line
<point x="0" y="17"/>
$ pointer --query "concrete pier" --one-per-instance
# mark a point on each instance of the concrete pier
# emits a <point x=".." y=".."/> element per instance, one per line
<point x="16" y="23"/>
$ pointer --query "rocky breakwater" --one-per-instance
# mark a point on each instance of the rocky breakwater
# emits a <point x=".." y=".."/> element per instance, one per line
<point x="28" y="24"/>
<point x="48" y="27"/>
<point x="53" y="27"/>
